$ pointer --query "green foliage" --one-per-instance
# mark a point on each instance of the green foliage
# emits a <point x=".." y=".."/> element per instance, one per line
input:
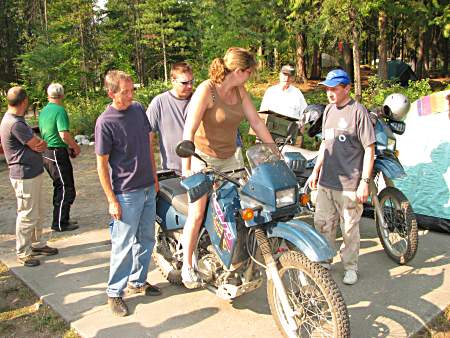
<point x="317" y="96"/>
<point x="165" y="30"/>
<point x="83" y="113"/>
<point x="3" y="105"/>
<point x="379" y="89"/>
<point x="146" y="94"/>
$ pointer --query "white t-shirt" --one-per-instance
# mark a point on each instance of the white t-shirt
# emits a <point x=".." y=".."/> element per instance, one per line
<point x="289" y="102"/>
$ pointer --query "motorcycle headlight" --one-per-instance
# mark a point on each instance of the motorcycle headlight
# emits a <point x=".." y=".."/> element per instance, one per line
<point x="391" y="144"/>
<point x="285" y="197"/>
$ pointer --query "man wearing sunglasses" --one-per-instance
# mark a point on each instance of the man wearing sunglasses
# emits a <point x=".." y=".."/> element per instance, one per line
<point x="167" y="114"/>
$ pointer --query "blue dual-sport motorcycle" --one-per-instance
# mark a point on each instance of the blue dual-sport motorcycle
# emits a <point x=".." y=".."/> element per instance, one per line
<point x="248" y="228"/>
<point x="395" y="221"/>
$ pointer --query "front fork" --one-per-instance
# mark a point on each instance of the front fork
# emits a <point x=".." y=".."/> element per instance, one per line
<point x="272" y="273"/>
<point x="373" y="190"/>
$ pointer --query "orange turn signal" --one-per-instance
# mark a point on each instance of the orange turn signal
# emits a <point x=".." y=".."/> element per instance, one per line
<point x="303" y="199"/>
<point x="247" y="214"/>
<point x="396" y="153"/>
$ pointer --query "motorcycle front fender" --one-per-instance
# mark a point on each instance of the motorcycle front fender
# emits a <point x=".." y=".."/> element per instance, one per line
<point x="389" y="166"/>
<point x="304" y="237"/>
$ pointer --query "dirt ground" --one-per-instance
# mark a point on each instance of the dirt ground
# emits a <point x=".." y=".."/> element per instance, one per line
<point x="89" y="209"/>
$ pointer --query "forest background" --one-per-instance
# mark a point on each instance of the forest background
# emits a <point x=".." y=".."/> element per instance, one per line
<point x="75" y="42"/>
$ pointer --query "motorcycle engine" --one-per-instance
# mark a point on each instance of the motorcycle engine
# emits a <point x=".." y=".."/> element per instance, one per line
<point x="208" y="267"/>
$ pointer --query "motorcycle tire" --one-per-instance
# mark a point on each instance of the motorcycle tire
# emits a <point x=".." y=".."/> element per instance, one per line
<point x="170" y="269"/>
<point x="315" y="297"/>
<point x="400" y="238"/>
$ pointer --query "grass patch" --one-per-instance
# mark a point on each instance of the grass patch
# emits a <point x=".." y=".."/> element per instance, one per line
<point x="48" y="320"/>
<point x="23" y="315"/>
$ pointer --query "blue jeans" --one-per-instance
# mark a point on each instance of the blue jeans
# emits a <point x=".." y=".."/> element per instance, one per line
<point x="133" y="239"/>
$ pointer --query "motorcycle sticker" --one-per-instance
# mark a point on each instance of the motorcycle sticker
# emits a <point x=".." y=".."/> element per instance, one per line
<point x="222" y="227"/>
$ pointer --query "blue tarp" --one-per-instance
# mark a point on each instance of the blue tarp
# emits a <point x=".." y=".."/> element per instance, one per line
<point x="424" y="151"/>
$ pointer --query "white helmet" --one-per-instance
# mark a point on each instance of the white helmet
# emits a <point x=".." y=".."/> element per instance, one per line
<point x="396" y="106"/>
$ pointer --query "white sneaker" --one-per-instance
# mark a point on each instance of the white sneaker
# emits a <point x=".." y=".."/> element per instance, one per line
<point x="190" y="278"/>
<point x="350" y="277"/>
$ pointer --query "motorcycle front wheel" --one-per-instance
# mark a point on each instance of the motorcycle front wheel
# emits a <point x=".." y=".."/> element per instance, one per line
<point x="400" y="236"/>
<point x="316" y="300"/>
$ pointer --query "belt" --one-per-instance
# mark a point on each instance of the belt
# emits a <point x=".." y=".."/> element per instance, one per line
<point x="53" y="148"/>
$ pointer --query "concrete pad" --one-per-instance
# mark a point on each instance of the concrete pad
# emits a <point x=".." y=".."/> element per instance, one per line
<point x="388" y="301"/>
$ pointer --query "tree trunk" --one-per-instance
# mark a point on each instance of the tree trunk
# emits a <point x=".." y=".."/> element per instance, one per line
<point x="356" y="61"/>
<point x="375" y="53"/>
<point x="46" y="21"/>
<point x="426" y="56"/>
<point x="445" y="56"/>
<point x="414" y="61"/>
<point x="316" y="63"/>
<point x="348" y="59"/>
<point x="421" y="56"/>
<point x="84" y="70"/>
<point x="276" y="60"/>
<point x="300" y="51"/>
<point x="382" y="47"/>
<point x="434" y="49"/>
<point x="137" y="48"/>
<point x="261" y="63"/>
<point x="163" y="41"/>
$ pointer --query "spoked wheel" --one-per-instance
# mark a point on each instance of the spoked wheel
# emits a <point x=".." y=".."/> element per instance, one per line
<point x="165" y="254"/>
<point x="316" y="300"/>
<point x="400" y="236"/>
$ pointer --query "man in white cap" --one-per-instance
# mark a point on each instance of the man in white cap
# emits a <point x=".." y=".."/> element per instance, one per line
<point x="54" y="128"/>
<point x="284" y="98"/>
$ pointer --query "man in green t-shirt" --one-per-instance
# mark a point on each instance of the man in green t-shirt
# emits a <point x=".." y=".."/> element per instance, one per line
<point x="54" y="128"/>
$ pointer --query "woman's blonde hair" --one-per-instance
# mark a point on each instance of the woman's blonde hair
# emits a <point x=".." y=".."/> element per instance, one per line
<point x="234" y="58"/>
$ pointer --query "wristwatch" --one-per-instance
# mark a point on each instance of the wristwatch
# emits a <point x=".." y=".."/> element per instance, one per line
<point x="365" y="179"/>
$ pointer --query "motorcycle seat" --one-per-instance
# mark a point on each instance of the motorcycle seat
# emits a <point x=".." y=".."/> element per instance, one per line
<point x="172" y="191"/>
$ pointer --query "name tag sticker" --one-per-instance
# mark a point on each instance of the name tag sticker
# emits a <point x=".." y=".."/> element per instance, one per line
<point x="329" y="134"/>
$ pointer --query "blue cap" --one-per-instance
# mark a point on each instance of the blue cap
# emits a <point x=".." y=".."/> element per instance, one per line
<point x="336" y="77"/>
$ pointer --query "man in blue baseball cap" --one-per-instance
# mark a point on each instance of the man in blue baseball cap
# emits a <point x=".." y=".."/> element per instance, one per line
<point x="343" y="170"/>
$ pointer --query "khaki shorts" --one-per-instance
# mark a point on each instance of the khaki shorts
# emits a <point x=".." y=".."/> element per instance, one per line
<point x="228" y="164"/>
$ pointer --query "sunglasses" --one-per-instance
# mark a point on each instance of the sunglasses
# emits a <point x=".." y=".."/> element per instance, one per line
<point x="185" y="83"/>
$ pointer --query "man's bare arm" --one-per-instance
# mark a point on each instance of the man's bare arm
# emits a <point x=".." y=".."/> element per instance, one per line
<point x="363" y="188"/>
<point x="37" y="144"/>
<point x="68" y="139"/>
<point x="152" y="159"/>
<point x="105" y="181"/>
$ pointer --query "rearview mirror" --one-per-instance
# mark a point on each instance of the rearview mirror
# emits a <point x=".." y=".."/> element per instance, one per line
<point x="185" y="148"/>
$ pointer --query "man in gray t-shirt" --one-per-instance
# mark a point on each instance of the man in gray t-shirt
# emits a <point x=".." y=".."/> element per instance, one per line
<point x="23" y="154"/>
<point x="167" y="114"/>
<point x="343" y="170"/>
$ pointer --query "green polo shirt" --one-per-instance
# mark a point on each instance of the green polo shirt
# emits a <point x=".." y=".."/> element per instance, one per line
<point x="53" y="119"/>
